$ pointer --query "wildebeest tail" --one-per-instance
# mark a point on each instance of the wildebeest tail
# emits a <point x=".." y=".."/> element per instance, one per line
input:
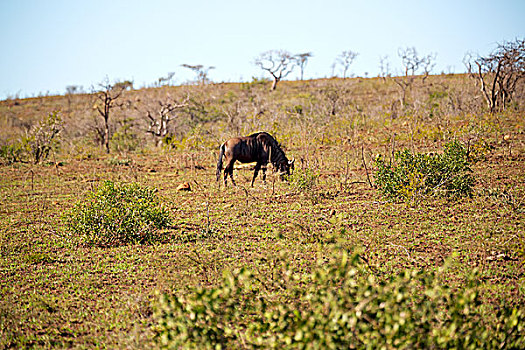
<point x="219" y="162"/>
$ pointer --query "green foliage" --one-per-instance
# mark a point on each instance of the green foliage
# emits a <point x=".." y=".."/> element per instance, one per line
<point x="256" y="82"/>
<point x="117" y="213"/>
<point x="434" y="101"/>
<point x="206" y="318"/>
<point x="116" y="161"/>
<point x="125" y="139"/>
<point x="194" y="139"/>
<point x="43" y="137"/>
<point x="414" y="175"/>
<point x="303" y="180"/>
<point x="36" y="145"/>
<point x="337" y="306"/>
<point x="12" y="152"/>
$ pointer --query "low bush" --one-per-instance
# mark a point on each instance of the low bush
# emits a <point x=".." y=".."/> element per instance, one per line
<point x="303" y="180"/>
<point x="12" y="152"/>
<point x="125" y="139"/>
<point x="337" y="306"/>
<point x="36" y="145"/>
<point x="117" y="213"/>
<point x="44" y="137"/>
<point x="414" y="175"/>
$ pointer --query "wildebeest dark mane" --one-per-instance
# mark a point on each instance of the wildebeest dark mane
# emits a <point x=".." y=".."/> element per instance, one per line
<point x="272" y="140"/>
<point x="276" y="147"/>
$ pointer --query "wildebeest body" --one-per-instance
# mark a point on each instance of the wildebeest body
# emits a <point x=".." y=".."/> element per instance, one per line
<point x="260" y="147"/>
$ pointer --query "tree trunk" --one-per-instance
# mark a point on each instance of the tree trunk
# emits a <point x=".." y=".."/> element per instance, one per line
<point x="106" y="134"/>
<point x="274" y="84"/>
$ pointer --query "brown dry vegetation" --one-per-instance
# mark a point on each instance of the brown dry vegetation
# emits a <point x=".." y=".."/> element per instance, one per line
<point x="55" y="293"/>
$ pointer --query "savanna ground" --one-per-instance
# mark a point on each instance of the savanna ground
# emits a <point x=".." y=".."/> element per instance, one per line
<point x="61" y="294"/>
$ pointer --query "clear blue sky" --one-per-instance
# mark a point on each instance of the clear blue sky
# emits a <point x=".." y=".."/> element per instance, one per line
<point x="49" y="44"/>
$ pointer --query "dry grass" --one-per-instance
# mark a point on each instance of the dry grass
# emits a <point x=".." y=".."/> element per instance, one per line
<point x="57" y="294"/>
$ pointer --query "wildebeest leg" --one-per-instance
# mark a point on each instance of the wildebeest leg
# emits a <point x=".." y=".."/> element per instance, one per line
<point x="231" y="177"/>
<point x="228" y="170"/>
<point x="264" y="173"/>
<point x="256" y="171"/>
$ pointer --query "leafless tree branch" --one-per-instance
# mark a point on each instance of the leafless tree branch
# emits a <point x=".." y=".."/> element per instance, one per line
<point x="278" y="63"/>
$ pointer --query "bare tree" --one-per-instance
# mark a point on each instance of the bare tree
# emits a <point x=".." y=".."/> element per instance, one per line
<point x="384" y="67"/>
<point x="499" y="73"/>
<point x="302" y="59"/>
<point x="345" y="59"/>
<point x="160" y="113"/>
<point x="332" y="67"/>
<point x="165" y="80"/>
<point x="278" y="63"/>
<point x="413" y="65"/>
<point x="201" y="72"/>
<point x="107" y="96"/>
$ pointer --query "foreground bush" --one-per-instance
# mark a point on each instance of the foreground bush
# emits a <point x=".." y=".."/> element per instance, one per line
<point x="117" y="213"/>
<point x="414" y="175"/>
<point x="337" y="306"/>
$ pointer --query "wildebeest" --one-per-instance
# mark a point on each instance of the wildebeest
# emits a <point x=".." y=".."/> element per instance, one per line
<point x="260" y="147"/>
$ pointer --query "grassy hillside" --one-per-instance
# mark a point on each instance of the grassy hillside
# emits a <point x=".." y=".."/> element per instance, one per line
<point x="57" y="292"/>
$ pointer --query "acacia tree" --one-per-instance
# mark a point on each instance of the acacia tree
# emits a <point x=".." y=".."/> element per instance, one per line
<point x="413" y="65"/>
<point x="107" y="96"/>
<point x="302" y="59"/>
<point x="345" y="59"/>
<point x="201" y="72"/>
<point x="278" y="63"/>
<point x="498" y="74"/>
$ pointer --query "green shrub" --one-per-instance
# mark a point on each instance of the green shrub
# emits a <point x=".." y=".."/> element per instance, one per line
<point x="12" y="152"/>
<point x="414" y="175"/>
<point x="36" y="145"/>
<point x="117" y="213"/>
<point x="125" y="139"/>
<point x="337" y="306"/>
<point x="303" y="180"/>
<point x="43" y="137"/>
<point x="116" y="161"/>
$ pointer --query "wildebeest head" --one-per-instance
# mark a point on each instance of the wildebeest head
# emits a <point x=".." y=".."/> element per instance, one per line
<point x="286" y="167"/>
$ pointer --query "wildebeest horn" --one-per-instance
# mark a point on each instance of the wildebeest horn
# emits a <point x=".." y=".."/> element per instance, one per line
<point x="291" y="161"/>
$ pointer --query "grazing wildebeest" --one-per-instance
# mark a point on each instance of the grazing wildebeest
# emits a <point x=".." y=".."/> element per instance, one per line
<point x="260" y="147"/>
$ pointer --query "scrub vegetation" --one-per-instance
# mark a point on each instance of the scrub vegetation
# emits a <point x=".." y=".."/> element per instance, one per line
<point x="402" y="225"/>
